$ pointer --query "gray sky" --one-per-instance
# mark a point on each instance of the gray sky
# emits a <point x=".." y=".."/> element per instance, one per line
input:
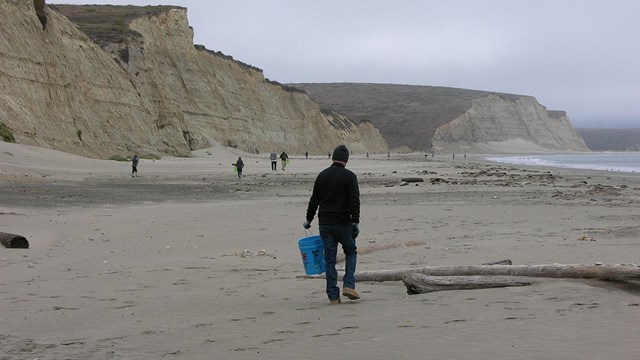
<point x="581" y="56"/>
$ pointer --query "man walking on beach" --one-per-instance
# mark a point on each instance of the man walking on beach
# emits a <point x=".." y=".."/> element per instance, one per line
<point x="274" y="160"/>
<point x="134" y="165"/>
<point x="336" y="197"/>
<point x="284" y="157"/>
<point x="239" y="165"/>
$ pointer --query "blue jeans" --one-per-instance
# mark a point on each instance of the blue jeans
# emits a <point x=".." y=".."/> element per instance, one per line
<point x="331" y="236"/>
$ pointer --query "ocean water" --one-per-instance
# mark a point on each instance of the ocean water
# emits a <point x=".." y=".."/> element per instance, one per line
<point x="623" y="162"/>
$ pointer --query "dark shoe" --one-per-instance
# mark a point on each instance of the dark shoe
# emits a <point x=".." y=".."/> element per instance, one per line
<point x="352" y="294"/>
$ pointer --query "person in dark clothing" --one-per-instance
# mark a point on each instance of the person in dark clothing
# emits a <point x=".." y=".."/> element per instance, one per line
<point x="239" y="165"/>
<point x="336" y="198"/>
<point x="284" y="157"/>
<point x="134" y="165"/>
<point x="274" y="160"/>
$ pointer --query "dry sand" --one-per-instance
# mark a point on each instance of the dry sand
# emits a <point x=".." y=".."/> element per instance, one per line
<point x="188" y="262"/>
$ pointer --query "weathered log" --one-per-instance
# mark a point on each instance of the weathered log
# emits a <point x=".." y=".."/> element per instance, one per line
<point x="618" y="272"/>
<point x="13" y="241"/>
<point x="412" y="180"/>
<point x="422" y="284"/>
<point x="408" y="243"/>
<point x="499" y="262"/>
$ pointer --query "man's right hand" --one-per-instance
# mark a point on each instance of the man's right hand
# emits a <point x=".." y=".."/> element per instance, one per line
<point x="306" y="224"/>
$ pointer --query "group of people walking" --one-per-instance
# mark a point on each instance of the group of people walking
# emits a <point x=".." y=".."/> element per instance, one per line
<point x="239" y="164"/>
<point x="274" y="160"/>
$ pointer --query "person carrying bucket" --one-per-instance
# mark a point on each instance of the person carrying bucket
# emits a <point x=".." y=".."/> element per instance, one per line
<point x="239" y="165"/>
<point x="336" y="197"/>
<point x="285" y="159"/>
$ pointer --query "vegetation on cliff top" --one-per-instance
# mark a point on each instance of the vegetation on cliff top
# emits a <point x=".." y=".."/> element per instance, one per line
<point x="6" y="134"/>
<point x="108" y="24"/>
<point x="227" y="57"/>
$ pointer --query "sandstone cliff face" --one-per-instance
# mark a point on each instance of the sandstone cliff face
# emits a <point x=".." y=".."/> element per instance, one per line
<point x="494" y="120"/>
<point x="58" y="89"/>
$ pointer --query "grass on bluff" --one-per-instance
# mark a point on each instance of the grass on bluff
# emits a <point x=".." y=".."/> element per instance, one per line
<point x="146" y="157"/>
<point x="6" y="134"/>
<point x="106" y="24"/>
<point x="118" y="158"/>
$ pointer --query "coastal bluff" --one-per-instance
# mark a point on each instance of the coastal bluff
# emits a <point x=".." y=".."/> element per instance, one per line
<point x="141" y="85"/>
<point x="445" y="120"/>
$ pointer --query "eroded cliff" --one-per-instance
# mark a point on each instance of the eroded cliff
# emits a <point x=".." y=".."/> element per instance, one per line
<point x="441" y="119"/>
<point x="508" y="124"/>
<point x="150" y="91"/>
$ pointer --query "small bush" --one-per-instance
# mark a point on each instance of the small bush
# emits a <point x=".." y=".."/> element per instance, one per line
<point x="151" y="157"/>
<point x="6" y="134"/>
<point x="118" y="158"/>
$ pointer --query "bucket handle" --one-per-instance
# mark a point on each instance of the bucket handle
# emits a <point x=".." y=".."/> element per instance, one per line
<point x="308" y="232"/>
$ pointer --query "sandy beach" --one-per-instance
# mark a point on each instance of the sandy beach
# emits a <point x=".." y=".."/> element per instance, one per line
<point x="187" y="261"/>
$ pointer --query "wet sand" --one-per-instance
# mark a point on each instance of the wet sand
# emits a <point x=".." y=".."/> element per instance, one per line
<point x="187" y="261"/>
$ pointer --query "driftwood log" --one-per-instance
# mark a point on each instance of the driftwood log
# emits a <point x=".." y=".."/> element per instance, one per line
<point x="422" y="284"/>
<point x="617" y="272"/>
<point x="412" y="180"/>
<point x="499" y="262"/>
<point x="390" y="246"/>
<point x="13" y="241"/>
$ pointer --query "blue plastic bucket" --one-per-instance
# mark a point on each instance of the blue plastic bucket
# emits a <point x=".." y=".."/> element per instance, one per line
<point x="312" y="253"/>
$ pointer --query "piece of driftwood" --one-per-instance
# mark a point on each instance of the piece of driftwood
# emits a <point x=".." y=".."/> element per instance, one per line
<point x="499" y="262"/>
<point x="378" y="247"/>
<point x="407" y="243"/>
<point x="422" y="284"/>
<point x="14" y="241"/>
<point x="412" y="180"/>
<point x="618" y="272"/>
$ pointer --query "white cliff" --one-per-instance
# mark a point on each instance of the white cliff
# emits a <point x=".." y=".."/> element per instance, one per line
<point x="507" y="124"/>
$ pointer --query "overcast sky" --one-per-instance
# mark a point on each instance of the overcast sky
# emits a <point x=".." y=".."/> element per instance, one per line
<point x="581" y="56"/>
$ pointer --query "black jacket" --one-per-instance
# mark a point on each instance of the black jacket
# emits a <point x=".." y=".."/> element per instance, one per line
<point x="337" y="196"/>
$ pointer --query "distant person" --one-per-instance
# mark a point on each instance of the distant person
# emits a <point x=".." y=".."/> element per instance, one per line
<point x="336" y="197"/>
<point x="239" y="165"/>
<point x="134" y="165"/>
<point x="306" y="154"/>
<point x="274" y="160"/>
<point x="285" y="158"/>
<point x="367" y="154"/>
